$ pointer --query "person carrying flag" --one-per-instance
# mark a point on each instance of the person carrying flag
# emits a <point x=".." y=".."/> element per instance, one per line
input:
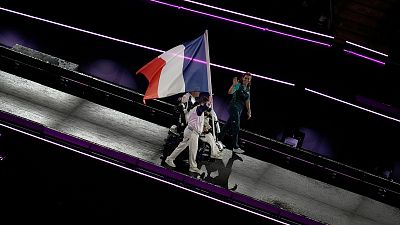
<point x="191" y="134"/>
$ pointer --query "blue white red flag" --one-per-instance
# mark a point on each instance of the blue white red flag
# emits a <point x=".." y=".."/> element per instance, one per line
<point x="184" y="68"/>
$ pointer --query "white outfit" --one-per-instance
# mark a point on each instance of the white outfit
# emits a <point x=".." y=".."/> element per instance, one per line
<point x="190" y="137"/>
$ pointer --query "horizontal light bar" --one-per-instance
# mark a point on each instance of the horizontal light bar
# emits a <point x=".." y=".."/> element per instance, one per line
<point x="241" y="23"/>
<point x="360" y="46"/>
<point x="353" y="105"/>
<point x="126" y="42"/>
<point x="363" y="56"/>
<point x="145" y="174"/>
<point x="260" y="19"/>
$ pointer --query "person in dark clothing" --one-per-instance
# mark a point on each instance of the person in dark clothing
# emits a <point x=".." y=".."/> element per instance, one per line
<point x="240" y="91"/>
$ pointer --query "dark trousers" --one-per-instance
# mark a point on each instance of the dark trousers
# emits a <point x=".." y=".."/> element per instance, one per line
<point x="232" y="126"/>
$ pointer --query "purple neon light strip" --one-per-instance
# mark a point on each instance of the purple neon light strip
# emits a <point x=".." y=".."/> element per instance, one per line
<point x="260" y="19"/>
<point x="371" y="50"/>
<point x="350" y="104"/>
<point x="127" y="42"/>
<point x="146" y="175"/>
<point x="363" y="56"/>
<point x="242" y="23"/>
<point x="210" y="15"/>
<point x="304" y="39"/>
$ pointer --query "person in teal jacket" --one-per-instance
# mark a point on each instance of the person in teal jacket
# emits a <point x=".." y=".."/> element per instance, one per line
<point x="240" y="91"/>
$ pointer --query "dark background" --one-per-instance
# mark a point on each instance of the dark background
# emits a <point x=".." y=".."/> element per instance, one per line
<point x="332" y="129"/>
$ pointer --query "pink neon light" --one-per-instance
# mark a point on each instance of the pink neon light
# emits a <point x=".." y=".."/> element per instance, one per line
<point x="363" y="56"/>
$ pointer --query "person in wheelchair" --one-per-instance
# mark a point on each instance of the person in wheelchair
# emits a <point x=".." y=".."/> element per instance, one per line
<point x="194" y="128"/>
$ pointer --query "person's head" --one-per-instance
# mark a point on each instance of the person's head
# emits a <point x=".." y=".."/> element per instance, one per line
<point x="245" y="79"/>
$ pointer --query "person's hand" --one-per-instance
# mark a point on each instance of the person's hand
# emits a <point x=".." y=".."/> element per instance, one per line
<point x="235" y="81"/>
<point x="248" y="115"/>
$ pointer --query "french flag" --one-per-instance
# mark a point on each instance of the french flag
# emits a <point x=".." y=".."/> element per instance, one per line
<point x="183" y="68"/>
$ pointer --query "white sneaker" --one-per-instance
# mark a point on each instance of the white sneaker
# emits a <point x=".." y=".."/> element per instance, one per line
<point x="194" y="170"/>
<point x="238" y="150"/>
<point x="170" y="162"/>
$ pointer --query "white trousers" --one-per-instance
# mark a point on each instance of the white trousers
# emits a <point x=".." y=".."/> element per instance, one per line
<point x="191" y="139"/>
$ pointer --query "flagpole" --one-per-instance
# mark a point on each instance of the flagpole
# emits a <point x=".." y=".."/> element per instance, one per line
<point x="208" y="64"/>
<point x="209" y="79"/>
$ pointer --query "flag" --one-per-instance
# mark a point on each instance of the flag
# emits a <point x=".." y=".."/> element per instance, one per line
<point x="183" y="68"/>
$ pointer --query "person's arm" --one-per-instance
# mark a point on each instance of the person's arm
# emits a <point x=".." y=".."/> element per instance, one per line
<point x="233" y="87"/>
<point x="248" y="108"/>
